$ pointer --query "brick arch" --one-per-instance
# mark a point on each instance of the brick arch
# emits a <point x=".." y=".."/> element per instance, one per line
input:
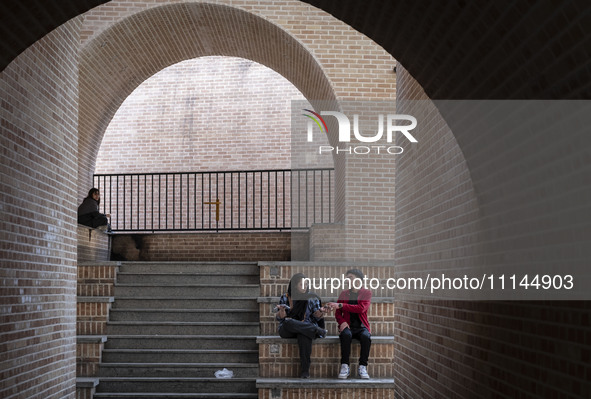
<point x="114" y="62"/>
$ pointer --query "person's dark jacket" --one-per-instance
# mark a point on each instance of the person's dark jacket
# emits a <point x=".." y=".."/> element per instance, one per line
<point x="89" y="215"/>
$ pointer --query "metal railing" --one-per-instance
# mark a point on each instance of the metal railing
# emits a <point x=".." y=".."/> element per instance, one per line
<point x="280" y="199"/>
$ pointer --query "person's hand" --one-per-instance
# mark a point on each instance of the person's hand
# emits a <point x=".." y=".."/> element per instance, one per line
<point x="282" y="314"/>
<point x="332" y="305"/>
<point x="343" y="326"/>
<point x="319" y="314"/>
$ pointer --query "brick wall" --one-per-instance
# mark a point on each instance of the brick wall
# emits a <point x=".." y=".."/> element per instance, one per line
<point x="228" y="246"/>
<point x="205" y="114"/>
<point x="93" y="244"/>
<point x="452" y="214"/>
<point x="323" y="58"/>
<point x="38" y="225"/>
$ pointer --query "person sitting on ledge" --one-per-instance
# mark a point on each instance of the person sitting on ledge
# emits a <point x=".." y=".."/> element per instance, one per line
<point x="351" y="316"/>
<point x="88" y="212"/>
<point x="301" y="315"/>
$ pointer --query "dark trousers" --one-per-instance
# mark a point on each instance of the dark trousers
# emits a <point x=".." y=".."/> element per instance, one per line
<point x="94" y="221"/>
<point x="305" y="333"/>
<point x="364" y="338"/>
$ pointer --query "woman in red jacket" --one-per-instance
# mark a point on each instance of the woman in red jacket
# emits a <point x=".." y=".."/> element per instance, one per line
<point x="351" y="316"/>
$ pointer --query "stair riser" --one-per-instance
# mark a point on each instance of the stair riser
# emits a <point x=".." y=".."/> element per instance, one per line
<point x="246" y="269"/>
<point x="172" y="372"/>
<point x="227" y="385"/>
<point x="178" y="278"/>
<point x="125" y="357"/>
<point x="221" y="317"/>
<point x="222" y="303"/>
<point x="181" y="330"/>
<point x="181" y="343"/>
<point x="186" y="292"/>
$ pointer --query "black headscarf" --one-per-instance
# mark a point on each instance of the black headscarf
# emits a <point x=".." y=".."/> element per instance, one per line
<point x="300" y="300"/>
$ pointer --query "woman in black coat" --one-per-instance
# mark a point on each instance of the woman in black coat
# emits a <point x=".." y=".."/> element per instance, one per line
<point x="88" y="211"/>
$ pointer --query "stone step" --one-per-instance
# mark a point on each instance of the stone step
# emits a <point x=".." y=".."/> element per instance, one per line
<point x="179" y="356"/>
<point x="186" y="291"/>
<point x="181" y="328"/>
<point x="185" y="315"/>
<point x="144" y="302"/>
<point x="174" y="395"/>
<point x="241" y="370"/>
<point x="185" y="278"/>
<point x="247" y="268"/>
<point x="177" y="385"/>
<point x="181" y="342"/>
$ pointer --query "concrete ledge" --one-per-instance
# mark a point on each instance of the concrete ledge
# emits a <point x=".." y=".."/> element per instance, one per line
<point x="91" y="339"/>
<point x="86" y="382"/>
<point x="95" y="299"/>
<point x="331" y="339"/>
<point x="99" y="263"/>
<point x="275" y="299"/>
<point x="326" y="264"/>
<point x="93" y="244"/>
<point x="325" y="383"/>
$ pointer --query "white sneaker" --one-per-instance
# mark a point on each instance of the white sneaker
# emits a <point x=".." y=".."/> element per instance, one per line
<point x="363" y="373"/>
<point x="344" y="372"/>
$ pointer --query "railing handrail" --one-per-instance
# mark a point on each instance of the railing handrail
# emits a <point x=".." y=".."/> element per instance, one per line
<point x="256" y="199"/>
<point x="211" y="172"/>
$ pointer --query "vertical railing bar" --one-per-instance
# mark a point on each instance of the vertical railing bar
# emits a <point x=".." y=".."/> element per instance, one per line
<point x="269" y="199"/>
<point x="254" y="199"/>
<point x="181" y="201"/>
<point x="314" y="197"/>
<point x="173" y="201"/>
<point x="261" y="198"/>
<point x="188" y="201"/>
<point x="152" y="205"/>
<point x="209" y="200"/>
<point x="290" y="200"/>
<point x="96" y="182"/>
<point x="299" y="198"/>
<point x="239" y="208"/>
<point x="145" y="202"/>
<point x="202" y="199"/>
<point x="195" y="201"/>
<point x="306" y="224"/>
<point x="276" y="199"/>
<point x="246" y="195"/>
<point x="322" y="196"/>
<point x="159" y="202"/>
<point x="131" y="203"/>
<point x="217" y="197"/>
<point x="166" y="210"/>
<point x="110" y="196"/>
<point x="124" y="207"/>
<point x="231" y="199"/>
<point x="224" y="199"/>
<point x="117" y="201"/>
<point x="330" y="210"/>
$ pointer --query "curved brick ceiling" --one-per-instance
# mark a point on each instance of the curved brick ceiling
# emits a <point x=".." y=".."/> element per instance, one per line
<point x="455" y="48"/>
<point x="117" y="60"/>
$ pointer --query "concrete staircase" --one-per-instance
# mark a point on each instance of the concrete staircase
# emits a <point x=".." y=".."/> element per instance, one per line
<point x="173" y="325"/>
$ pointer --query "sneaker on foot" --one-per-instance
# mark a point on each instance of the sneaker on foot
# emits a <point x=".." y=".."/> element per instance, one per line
<point x="344" y="371"/>
<point x="363" y="372"/>
<point x="321" y="333"/>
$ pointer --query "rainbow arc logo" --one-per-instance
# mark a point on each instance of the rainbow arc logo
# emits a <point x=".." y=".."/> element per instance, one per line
<point x="318" y="120"/>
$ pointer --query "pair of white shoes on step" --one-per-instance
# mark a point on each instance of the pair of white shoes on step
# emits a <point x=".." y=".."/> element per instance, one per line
<point x="346" y="371"/>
